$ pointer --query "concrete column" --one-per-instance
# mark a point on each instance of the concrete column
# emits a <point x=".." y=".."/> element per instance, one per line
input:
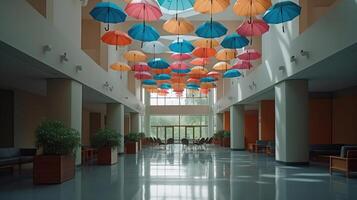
<point x="115" y="121"/>
<point x="210" y="115"/>
<point x="135" y="117"/>
<point x="237" y="127"/>
<point x="291" y="122"/>
<point x="65" y="104"/>
<point x="219" y="121"/>
<point x="147" y="113"/>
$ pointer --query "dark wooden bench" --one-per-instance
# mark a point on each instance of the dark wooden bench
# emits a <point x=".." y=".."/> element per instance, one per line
<point x="347" y="163"/>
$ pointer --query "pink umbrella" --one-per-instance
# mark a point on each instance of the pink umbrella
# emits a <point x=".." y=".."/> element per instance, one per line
<point x="256" y="27"/>
<point x="214" y="74"/>
<point x="200" y="61"/>
<point x="249" y="54"/>
<point x="178" y="65"/>
<point x="140" y="67"/>
<point x="148" y="10"/>
<point x="142" y="75"/>
<point x="241" y="64"/>
<point x="181" y="56"/>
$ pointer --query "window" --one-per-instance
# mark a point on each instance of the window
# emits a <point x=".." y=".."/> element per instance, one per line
<point x="188" y="97"/>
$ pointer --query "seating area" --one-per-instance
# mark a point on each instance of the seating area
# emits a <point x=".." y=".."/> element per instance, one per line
<point x="10" y="157"/>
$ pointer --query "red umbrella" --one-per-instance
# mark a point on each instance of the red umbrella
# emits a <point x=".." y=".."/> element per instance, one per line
<point x="117" y="38"/>
<point x="140" y="67"/>
<point x="214" y="74"/>
<point x="179" y="65"/>
<point x="148" y="10"/>
<point x="142" y="75"/>
<point x="256" y="27"/>
<point x="200" y="61"/>
<point x="181" y="56"/>
<point x="250" y="54"/>
<point x="241" y="64"/>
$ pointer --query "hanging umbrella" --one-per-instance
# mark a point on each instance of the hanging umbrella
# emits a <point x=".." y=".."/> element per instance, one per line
<point x="154" y="47"/>
<point x="214" y="74"/>
<point x="197" y="74"/>
<point x="232" y="73"/>
<point x="135" y="56"/>
<point x="177" y="79"/>
<point x="181" y="46"/>
<point x="198" y="69"/>
<point x="204" y="91"/>
<point x="207" y="85"/>
<point x="150" y="88"/>
<point x="162" y="77"/>
<point x="226" y="54"/>
<point x="162" y="92"/>
<point x="249" y="54"/>
<point x="176" y="4"/>
<point x="222" y="66"/>
<point x="159" y="82"/>
<point x="256" y="27"/>
<point x="143" y="32"/>
<point x="149" y="82"/>
<point x="165" y="86"/>
<point x="211" y="6"/>
<point x="122" y="67"/>
<point x="241" y="64"/>
<point x="181" y="56"/>
<point x="117" y="38"/>
<point x="178" y="26"/>
<point x="192" y="86"/>
<point x="142" y="75"/>
<point x="161" y="71"/>
<point x="147" y="10"/>
<point x="206" y="43"/>
<point x="108" y="12"/>
<point x="181" y="72"/>
<point x="193" y="80"/>
<point x="204" y="52"/>
<point x="200" y="61"/>
<point x="179" y="65"/>
<point x="249" y="8"/>
<point x="211" y="29"/>
<point x="140" y="67"/>
<point x="207" y="79"/>
<point x="282" y="12"/>
<point x="158" y="63"/>
<point x="234" y="41"/>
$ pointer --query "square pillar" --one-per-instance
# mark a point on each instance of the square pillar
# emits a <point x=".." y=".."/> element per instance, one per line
<point x="237" y="127"/>
<point x="115" y="121"/>
<point x="219" y="121"/>
<point x="134" y="120"/>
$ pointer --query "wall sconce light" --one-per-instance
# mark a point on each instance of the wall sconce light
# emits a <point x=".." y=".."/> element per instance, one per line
<point x="305" y="53"/>
<point x="64" y="57"/>
<point x="46" y="48"/>
<point x="254" y="85"/>
<point x="282" y="68"/>
<point x="107" y="86"/>
<point x="293" y="59"/>
<point x="78" y="68"/>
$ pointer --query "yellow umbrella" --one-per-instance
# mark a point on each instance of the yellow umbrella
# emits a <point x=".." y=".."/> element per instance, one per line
<point x="178" y="26"/>
<point x="122" y="67"/>
<point x="222" y="66"/>
<point x="226" y="54"/>
<point x="211" y="6"/>
<point x="251" y="8"/>
<point x="206" y="43"/>
<point x="135" y="56"/>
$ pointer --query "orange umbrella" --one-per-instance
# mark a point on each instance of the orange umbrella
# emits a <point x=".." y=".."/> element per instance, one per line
<point x="198" y="72"/>
<point x="198" y="69"/>
<point x="151" y="90"/>
<point x="211" y="6"/>
<point x="159" y="82"/>
<point x="226" y="54"/>
<point x="193" y="80"/>
<point x="199" y="61"/>
<point x="207" y="85"/>
<point x="178" y="79"/>
<point x="214" y="74"/>
<point x="205" y="91"/>
<point x="251" y="8"/>
<point x="117" y="38"/>
<point x="135" y="56"/>
<point x="206" y="43"/>
<point x="176" y="86"/>
<point x="122" y="67"/>
<point x="222" y="66"/>
<point x="204" y="52"/>
<point x="161" y="71"/>
<point x="178" y="26"/>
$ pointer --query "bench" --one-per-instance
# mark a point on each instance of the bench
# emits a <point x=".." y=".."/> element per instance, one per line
<point x="16" y="156"/>
<point x="346" y="162"/>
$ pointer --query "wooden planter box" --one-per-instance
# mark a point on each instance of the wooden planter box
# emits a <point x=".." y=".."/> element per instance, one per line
<point x="107" y="156"/>
<point x="53" y="169"/>
<point x="131" y="147"/>
<point x="226" y="142"/>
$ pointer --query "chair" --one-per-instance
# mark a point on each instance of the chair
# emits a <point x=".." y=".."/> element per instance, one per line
<point x="260" y="146"/>
<point x="346" y="162"/>
<point x="170" y="142"/>
<point x="184" y="142"/>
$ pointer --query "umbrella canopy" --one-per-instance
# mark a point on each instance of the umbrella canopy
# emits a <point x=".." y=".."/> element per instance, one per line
<point x="159" y="82"/>
<point x="206" y="43"/>
<point x="193" y="86"/>
<point x="181" y="46"/>
<point x="200" y="61"/>
<point x="149" y="82"/>
<point x="140" y="67"/>
<point x="193" y="80"/>
<point x="226" y="54"/>
<point x="165" y="86"/>
<point x="204" y="91"/>
<point x="161" y="71"/>
<point x="207" y="85"/>
<point x="108" y="12"/>
<point x="198" y="69"/>
<point x="118" y="66"/>
<point x="162" y="77"/>
<point x="158" y="63"/>
<point x="176" y="4"/>
<point x="234" y="41"/>
<point x="182" y="72"/>
<point x="204" y="52"/>
<point x="181" y="56"/>
<point x="214" y="74"/>
<point x="154" y="47"/>
<point x="143" y="32"/>
<point x="232" y="73"/>
<point x="250" y="54"/>
<point x="178" y="26"/>
<point x="177" y="79"/>
<point x="251" y="8"/>
<point x="222" y="66"/>
<point x="117" y="38"/>
<point x="211" y="6"/>
<point x="282" y="12"/>
<point x="207" y="79"/>
<point x="197" y="75"/>
<point x="255" y="27"/>
<point x="241" y="64"/>
<point x="211" y="29"/>
<point x="135" y="56"/>
<point x="147" y="10"/>
<point x="142" y="75"/>
<point x="179" y="65"/>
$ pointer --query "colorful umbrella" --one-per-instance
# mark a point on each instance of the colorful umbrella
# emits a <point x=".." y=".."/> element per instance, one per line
<point x="241" y="64"/>
<point x="154" y="47"/>
<point x="207" y="79"/>
<point x="211" y="29"/>
<point x="256" y="27"/>
<point x="147" y="10"/>
<point x="178" y="26"/>
<point x="193" y="80"/>
<point x="249" y="54"/>
<point x="200" y="61"/>
<point x="108" y="12"/>
<point x="177" y="79"/>
<point x="162" y="92"/>
<point x="149" y="82"/>
<point x="181" y="46"/>
<point x="204" y="91"/>
<point x="214" y="74"/>
<point x="204" y="52"/>
<point x="222" y="66"/>
<point x="176" y="4"/>
<point x="211" y="6"/>
<point x="282" y="12"/>
<point x="161" y="71"/>
<point x="207" y="85"/>
<point x="232" y="73"/>
<point x="117" y="38"/>
<point x="158" y="63"/>
<point x="159" y="82"/>
<point x="165" y="86"/>
<point x="150" y="88"/>
<point x="181" y="72"/>
<point x="142" y="75"/>
<point x="234" y="41"/>
<point x="143" y="32"/>
<point x="135" y="56"/>
<point x="251" y="8"/>
<point x="206" y="43"/>
<point x="192" y="86"/>
<point x="181" y="56"/>
<point x="140" y="67"/>
<point x="226" y="54"/>
<point x="122" y="67"/>
<point x="179" y="65"/>
<point x="162" y="77"/>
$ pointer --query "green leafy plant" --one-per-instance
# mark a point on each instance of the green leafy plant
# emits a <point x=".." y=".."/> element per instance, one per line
<point x="219" y="134"/>
<point x="56" y="139"/>
<point x="227" y="134"/>
<point x="141" y="135"/>
<point x="105" y="138"/>
<point x="132" y="137"/>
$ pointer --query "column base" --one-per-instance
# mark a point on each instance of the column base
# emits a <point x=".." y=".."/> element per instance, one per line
<point x="237" y="149"/>
<point x="293" y="163"/>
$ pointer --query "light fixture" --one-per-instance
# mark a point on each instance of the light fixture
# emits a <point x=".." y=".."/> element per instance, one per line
<point x="46" y="48"/>
<point x="64" y="57"/>
<point x="78" y="68"/>
<point x="107" y="86"/>
<point x="305" y="53"/>
<point x="293" y="59"/>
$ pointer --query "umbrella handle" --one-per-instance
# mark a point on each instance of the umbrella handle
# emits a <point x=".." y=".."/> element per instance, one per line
<point x="106" y="28"/>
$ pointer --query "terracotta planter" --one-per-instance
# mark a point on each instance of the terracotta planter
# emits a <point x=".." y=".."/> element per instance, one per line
<point x="53" y="169"/>
<point x="131" y="147"/>
<point x="107" y="156"/>
<point x="227" y="142"/>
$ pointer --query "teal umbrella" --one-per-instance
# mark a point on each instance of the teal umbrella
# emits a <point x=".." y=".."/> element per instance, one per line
<point x="176" y="4"/>
<point x="108" y="12"/>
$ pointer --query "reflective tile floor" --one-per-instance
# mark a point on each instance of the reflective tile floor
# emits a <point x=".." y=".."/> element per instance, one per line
<point x="175" y="174"/>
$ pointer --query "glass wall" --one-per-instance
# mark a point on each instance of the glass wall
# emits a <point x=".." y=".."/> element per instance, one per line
<point x="189" y="97"/>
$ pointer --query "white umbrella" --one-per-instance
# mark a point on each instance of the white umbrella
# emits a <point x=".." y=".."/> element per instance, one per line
<point x="154" y="47"/>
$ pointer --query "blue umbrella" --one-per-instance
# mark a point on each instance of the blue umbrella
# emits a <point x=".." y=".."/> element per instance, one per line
<point x="234" y="41"/>
<point x="207" y="79"/>
<point x="181" y="71"/>
<point x="192" y="86"/>
<point x="181" y="46"/>
<point x="232" y="73"/>
<point x="165" y="86"/>
<point x="158" y="63"/>
<point x="176" y="4"/>
<point x="108" y="12"/>
<point x="162" y="77"/>
<point x="149" y="82"/>
<point x="211" y="29"/>
<point x="282" y="12"/>
<point x="143" y="32"/>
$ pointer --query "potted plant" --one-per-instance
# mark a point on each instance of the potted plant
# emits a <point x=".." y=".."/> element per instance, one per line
<point x="141" y="140"/>
<point x="107" y="142"/>
<point x="57" y="162"/>
<point x="218" y="136"/>
<point x="227" y="139"/>
<point x="131" y="143"/>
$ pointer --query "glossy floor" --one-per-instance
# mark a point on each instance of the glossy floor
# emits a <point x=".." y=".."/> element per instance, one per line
<point x="175" y="174"/>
